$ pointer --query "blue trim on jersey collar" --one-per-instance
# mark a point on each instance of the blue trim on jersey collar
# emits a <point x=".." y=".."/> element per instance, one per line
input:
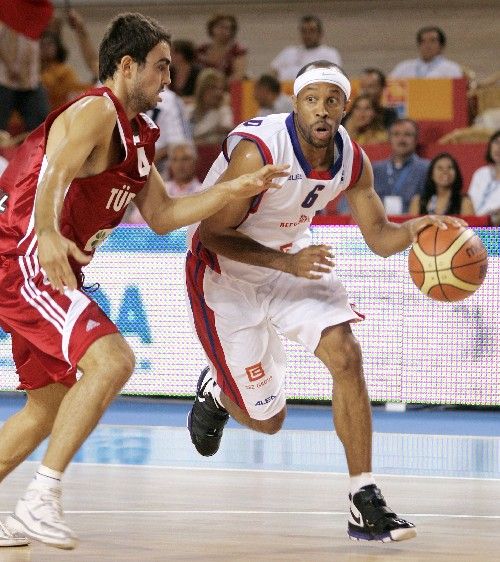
<point x="304" y="164"/>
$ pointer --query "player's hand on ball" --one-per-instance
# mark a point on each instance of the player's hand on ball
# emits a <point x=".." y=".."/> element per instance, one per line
<point x="312" y="262"/>
<point x="448" y="264"/>
<point x="249" y="185"/>
<point x="441" y="221"/>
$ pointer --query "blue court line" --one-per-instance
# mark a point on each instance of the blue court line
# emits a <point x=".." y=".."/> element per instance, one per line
<point x="416" y="420"/>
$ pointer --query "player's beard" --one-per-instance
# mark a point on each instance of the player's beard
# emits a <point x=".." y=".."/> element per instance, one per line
<point x="306" y="133"/>
<point x="141" y="102"/>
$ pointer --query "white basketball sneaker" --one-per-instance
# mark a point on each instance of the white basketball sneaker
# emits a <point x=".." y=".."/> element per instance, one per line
<point x="39" y="515"/>
<point x="11" y="539"/>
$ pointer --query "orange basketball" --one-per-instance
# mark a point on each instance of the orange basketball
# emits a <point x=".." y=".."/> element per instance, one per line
<point x="448" y="265"/>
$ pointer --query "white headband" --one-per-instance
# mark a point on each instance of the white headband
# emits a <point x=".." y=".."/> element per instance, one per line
<point x="331" y="75"/>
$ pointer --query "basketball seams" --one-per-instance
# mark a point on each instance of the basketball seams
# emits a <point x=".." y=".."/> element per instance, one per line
<point x="435" y="274"/>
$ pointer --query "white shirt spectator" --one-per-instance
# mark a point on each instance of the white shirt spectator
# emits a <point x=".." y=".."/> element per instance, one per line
<point x="291" y="59"/>
<point x="208" y="129"/>
<point x="171" y="117"/>
<point x="484" y="191"/>
<point x="438" y="67"/>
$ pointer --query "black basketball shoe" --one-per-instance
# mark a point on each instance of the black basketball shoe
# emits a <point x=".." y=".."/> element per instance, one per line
<point x="371" y="520"/>
<point x="206" y="420"/>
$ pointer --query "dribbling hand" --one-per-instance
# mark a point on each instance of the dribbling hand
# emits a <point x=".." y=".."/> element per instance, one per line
<point x="441" y="221"/>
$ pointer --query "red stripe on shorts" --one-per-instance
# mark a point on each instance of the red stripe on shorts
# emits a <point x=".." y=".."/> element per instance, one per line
<point x="204" y="321"/>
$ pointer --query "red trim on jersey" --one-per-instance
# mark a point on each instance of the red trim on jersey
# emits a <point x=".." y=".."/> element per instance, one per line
<point x="261" y="145"/>
<point x="204" y="322"/>
<point x="254" y="207"/>
<point x="357" y="164"/>
<point x="353" y="308"/>
<point x="320" y="175"/>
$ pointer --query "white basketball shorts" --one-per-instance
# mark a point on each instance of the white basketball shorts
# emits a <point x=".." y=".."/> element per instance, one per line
<point x="238" y="325"/>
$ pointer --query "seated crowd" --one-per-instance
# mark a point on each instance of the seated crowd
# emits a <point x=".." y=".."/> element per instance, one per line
<point x="197" y="111"/>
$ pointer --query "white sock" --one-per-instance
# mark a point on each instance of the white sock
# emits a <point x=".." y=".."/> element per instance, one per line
<point x="360" y="480"/>
<point x="47" y="477"/>
<point x="215" y="391"/>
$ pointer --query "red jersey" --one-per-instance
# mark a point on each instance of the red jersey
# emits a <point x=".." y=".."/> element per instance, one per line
<point x="92" y="206"/>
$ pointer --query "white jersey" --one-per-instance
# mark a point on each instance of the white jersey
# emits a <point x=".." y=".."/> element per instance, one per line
<point x="280" y="219"/>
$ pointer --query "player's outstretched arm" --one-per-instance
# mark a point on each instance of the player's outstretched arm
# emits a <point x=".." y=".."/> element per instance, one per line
<point x="386" y="238"/>
<point x="164" y="214"/>
<point x="73" y="136"/>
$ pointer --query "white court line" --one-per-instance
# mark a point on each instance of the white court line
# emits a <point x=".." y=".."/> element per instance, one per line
<point x="254" y="512"/>
<point x="277" y="471"/>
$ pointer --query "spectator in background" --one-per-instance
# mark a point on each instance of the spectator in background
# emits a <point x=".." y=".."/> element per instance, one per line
<point x="212" y="116"/>
<point x="183" y="70"/>
<point x="431" y="63"/>
<point x="442" y="194"/>
<point x="171" y="116"/>
<point x="372" y="82"/>
<point x="267" y="93"/>
<point x="61" y="82"/>
<point x="20" y="87"/>
<point x="291" y="59"/>
<point x="182" y="165"/>
<point x="182" y="182"/>
<point x="401" y="176"/>
<point x="223" y="52"/>
<point x="484" y="189"/>
<point x="364" y="123"/>
<point x="85" y="43"/>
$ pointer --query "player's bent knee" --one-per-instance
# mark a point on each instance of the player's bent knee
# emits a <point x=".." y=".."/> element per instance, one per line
<point x="272" y="425"/>
<point x="111" y="357"/>
<point x="121" y="365"/>
<point x="344" y="358"/>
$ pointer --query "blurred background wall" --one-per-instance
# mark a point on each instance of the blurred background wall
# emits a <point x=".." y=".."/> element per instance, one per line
<point x="366" y="32"/>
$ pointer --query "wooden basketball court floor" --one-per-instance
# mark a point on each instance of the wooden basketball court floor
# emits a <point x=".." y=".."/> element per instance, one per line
<point x="255" y="502"/>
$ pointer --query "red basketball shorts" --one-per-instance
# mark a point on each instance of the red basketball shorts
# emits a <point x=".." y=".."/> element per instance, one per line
<point x="50" y="332"/>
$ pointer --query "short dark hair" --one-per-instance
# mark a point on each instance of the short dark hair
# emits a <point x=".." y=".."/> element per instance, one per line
<point x="380" y="75"/>
<point x="269" y="82"/>
<point x="214" y="20"/>
<point x="438" y="30"/>
<point x="310" y="18"/>
<point x="128" y="34"/>
<point x="186" y="48"/>
<point x="414" y="124"/>
<point x="493" y="138"/>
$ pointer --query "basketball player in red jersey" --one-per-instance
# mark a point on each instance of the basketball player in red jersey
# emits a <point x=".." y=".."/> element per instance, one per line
<point x="252" y="273"/>
<point x="60" y="197"/>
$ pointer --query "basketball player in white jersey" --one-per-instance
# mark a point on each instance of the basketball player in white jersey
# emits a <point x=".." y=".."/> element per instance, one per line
<point x="251" y="272"/>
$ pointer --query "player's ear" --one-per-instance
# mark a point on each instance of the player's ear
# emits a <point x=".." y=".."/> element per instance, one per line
<point x="126" y="65"/>
<point x="294" y="103"/>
